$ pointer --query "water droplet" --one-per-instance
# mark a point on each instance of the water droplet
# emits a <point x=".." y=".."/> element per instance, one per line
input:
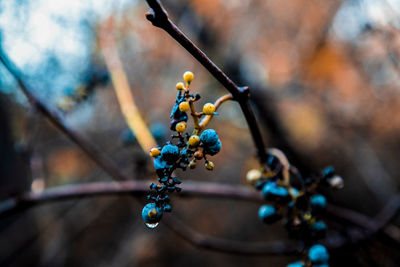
<point x="152" y="225"/>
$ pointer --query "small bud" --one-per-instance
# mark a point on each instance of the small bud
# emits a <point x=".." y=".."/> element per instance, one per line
<point x="180" y="127"/>
<point x="154" y="152"/>
<point x="194" y="140"/>
<point x="208" y="109"/>
<point x="336" y="182"/>
<point x="188" y="77"/>
<point x="209" y="165"/>
<point x="253" y="176"/>
<point x="184" y="106"/>
<point x="180" y="86"/>
<point x="198" y="154"/>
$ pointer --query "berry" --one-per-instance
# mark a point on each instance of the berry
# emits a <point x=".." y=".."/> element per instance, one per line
<point x="336" y="182"/>
<point x="194" y="140"/>
<point x="318" y="203"/>
<point x="170" y="153"/>
<point x="209" y="165"/>
<point x="198" y="154"/>
<point x="184" y="106"/>
<point x="180" y="127"/>
<point x="318" y="230"/>
<point x="192" y="164"/>
<point x="151" y="213"/>
<point x="212" y="144"/>
<point x="271" y="191"/>
<point x="318" y="254"/>
<point x="267" y="214"/>
<point x="253" y="176"/>
<point x="328" y="172"/>
<point x="188" y="76"/>
<point x="155" y="152"/>
<point x="296" y="264"/>
<point x="180" y="86"/>
<point x="208" y="109"/>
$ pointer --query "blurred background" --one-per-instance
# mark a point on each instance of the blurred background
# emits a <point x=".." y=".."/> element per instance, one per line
<point x="325" y="81"/>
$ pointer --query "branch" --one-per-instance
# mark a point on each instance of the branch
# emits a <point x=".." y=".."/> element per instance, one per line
<point x="369" y="226"/>
<point x="159" y="18"/>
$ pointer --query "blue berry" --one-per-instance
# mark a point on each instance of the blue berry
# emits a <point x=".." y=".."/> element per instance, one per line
<point x="211" y="143"/>
<point x="170" y="153"/>
<point x="296" y="264"/>
<point x="268" y="214"/>
<point x="159" y="132"/>
<point x="318" y="254"/>
<point x="151" y="213"/>
<point x="271" y="191"/>
<point x="318" y="203"/>
<point x="328" y="172"/>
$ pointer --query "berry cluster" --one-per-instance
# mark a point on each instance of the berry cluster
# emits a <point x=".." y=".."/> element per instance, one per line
<point x="293" y="198"/>
<point x="182" y="151"/>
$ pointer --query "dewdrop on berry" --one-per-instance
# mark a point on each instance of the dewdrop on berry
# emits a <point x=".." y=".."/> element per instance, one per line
<point x="188" y="77"/>
<point x="209" y="109"/>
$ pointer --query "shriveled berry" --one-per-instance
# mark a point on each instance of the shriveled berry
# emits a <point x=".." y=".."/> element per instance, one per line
<point x="184" y="106"/>
<point x="180" y="86"/>
<point x="180" y="127"/>
<point x="268" y="214"/>
<point x="155" y="152"/>
<point x="194" y="140"/>
<point x="209" y="165"/>
<point x="151" y="213"/>
<point x="198" y="154"/>
<point x="188" y="76"/>
<point x="209" y="109"/>
<point x="170" y="153"/>
<point x="318" y="254"/>
<point x="253" y="176"/>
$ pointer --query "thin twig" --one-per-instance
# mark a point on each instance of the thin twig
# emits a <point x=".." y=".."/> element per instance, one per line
<point x="159" y="18"/>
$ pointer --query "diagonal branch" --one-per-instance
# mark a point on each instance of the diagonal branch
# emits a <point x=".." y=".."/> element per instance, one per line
<point x="159" y="18"/>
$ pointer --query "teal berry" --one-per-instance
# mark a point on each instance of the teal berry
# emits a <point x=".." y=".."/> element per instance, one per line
<point x="328" y="172"/>
<point x="318" y="230"/>
<point x="318" y="254"/>
<point x="318" y="203"/>
<point x="170" y="153"/>
<point x="296" y="264"/>
<point x="211" y="143"/>
<point x="271" y="191"/>
<point x="268" y="214"/>
<point x="151" y="213"/>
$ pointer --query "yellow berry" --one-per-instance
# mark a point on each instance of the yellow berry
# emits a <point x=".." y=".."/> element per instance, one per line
<point x="194" y="140"/>
<point x="192" y="164"/>
<point x="209" y="165"/>
<point x="154" y="152"/>
<point x="184" y="106"/>
<point x="188" y="76"/>
<point x="253" y="176"/>
<point x="180" y="127"/>
<point x="208" y="109"/>
<point x="198" y="154"/>
<point x="180" y="86"/>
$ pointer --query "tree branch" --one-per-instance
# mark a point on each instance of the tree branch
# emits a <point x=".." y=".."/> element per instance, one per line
<point x="159" y="18"/>
<point x="368" y="226"/>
